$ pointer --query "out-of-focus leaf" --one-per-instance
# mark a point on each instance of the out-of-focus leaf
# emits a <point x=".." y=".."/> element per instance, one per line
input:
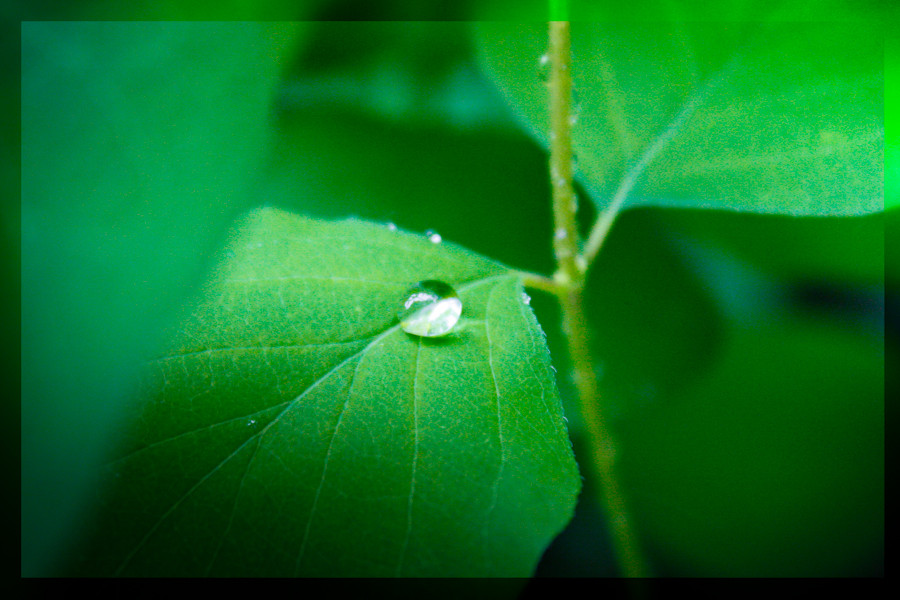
<point x="409" y="74"/>
<point x="772" y="465"/>
<point x="138" y="143"/>
<point x="295" y="429"/>
<point x="741" y="117"/>
<point x="848" y="251"/>
<point x="655" y="326"/>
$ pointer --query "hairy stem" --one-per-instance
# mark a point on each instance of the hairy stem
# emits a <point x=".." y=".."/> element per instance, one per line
<point x="565" y="230"/>
<point x="569" y="277"/>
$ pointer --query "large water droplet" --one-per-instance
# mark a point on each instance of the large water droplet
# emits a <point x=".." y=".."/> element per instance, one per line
<point x="430" y="309"/>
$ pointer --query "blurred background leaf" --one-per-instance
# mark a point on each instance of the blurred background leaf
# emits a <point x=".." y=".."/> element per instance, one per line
<point x="772" y="465"/>
<point x="138" y="143"/>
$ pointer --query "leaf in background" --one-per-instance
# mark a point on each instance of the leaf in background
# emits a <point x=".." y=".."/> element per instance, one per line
<point x="847" y="251"/>
<point x="772" y="465"/>
<point x="139" y="141"/>
<point x="655" y="325"/>
<point x="778" y="118"/>
<point x="295" y="429"/>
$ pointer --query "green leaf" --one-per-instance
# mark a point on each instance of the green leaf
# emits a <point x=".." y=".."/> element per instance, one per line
<point x="747" y="118"/>
<point x="295" y="429"/>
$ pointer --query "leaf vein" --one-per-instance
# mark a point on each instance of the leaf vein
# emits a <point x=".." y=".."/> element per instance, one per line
<point x="495" y="488"/>
<point x="412" y="479"/>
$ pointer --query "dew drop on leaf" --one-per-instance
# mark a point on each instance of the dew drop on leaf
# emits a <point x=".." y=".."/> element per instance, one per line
<point x="544" y="67"/>
<point x="433" y="236"/>
<point x="430" y="309"/>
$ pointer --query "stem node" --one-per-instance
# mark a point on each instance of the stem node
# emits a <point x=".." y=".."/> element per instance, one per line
<point x="569" y="280"/>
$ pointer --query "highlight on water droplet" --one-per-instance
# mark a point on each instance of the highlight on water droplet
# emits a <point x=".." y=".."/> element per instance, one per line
<point x="544" y="67"/>
<point x="526" y="299"/>
<point x="430" y="309"/>
<point x="581" y="263"/>
<point x="391" y="226"/>
<point x="433" y="236"/>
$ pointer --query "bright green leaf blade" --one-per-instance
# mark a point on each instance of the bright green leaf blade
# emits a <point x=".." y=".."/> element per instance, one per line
<point x="743" y="118"/>
<point x="295" y="429"/>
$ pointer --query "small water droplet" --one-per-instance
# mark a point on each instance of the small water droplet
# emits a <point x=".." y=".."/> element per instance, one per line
<point x="251" y="422"/>
<point x="581" y="263"/>
<point x="391" y="227"/>
<point x="560" y="234"/>
<point x="433" y="236"/>
<point x="544" y="67"/>
<point x="526" y="299"/>
<point x="430" y="309"/>
<point x="573" y="119"/>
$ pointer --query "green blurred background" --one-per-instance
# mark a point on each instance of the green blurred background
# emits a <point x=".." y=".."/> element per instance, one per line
<point x="741" y="356"/>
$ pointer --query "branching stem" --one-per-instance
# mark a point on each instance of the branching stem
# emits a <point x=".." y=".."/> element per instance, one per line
<point x="539" y="282"/>
<point x="569" y="288"/>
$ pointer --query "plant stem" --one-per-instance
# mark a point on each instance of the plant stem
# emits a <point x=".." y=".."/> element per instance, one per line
<point x="539" y="282"/>
<point x="570" y="277"/>
<point x="602" y="445"/>
<point x="565" y="230"/>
